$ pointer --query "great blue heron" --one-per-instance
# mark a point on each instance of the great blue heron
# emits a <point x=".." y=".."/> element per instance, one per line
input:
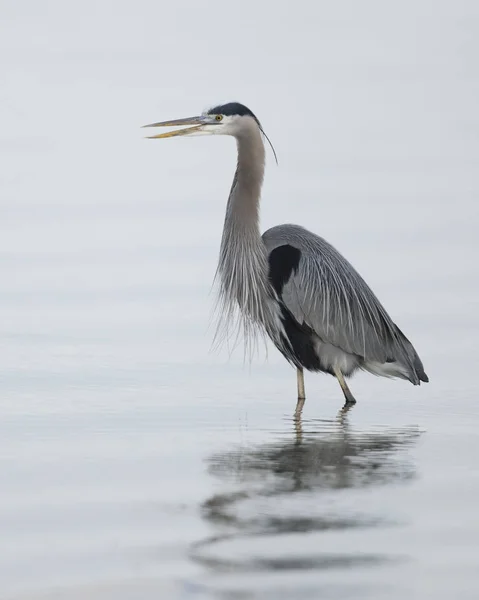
<point x="291" y="283"/>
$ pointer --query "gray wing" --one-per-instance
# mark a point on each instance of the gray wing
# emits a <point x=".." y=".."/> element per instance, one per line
<point x="323" y="291"/>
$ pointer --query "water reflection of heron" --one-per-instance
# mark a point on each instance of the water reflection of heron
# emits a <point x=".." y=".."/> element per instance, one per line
<point x="293" y="486"/>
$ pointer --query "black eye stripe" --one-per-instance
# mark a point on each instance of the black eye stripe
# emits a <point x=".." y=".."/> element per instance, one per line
<point x="232" y="109"/>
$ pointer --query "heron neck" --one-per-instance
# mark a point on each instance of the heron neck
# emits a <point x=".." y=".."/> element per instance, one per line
<point x="243" y="262"/>
<point x="242" y="210"/>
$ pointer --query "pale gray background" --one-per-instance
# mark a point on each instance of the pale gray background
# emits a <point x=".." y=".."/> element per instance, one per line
<point x="120" y="431"/>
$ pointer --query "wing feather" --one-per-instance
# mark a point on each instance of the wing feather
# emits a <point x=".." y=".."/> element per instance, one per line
<point x="326" y="293"/>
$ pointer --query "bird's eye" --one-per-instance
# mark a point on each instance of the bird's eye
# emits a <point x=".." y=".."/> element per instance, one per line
<point x="219" y="117"/>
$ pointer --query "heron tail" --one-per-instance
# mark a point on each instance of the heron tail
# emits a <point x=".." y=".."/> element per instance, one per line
<point x="415" y="360"/>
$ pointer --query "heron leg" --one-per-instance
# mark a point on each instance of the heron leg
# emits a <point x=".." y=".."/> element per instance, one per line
<point x="301" y="393"/>
<point x="350" y="399"/>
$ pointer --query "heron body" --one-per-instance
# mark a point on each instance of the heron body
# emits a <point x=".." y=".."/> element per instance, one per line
<point x="290" y="283"/>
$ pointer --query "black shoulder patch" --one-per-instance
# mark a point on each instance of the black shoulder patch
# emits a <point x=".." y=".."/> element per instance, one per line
<point x="283" y="261"/>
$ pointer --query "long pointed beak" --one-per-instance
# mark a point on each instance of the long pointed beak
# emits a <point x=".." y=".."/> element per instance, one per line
<point x="198" y="123"/>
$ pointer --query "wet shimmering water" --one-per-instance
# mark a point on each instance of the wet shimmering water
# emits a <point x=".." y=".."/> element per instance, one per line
<point x="134" y="461"/>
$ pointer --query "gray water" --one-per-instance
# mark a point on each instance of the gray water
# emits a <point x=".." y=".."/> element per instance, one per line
<point x="135" y="462"/>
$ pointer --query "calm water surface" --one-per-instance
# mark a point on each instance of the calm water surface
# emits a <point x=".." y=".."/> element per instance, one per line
<point x="134" y="461"/>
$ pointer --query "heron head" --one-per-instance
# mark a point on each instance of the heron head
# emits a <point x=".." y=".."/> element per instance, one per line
<point x="225" y="119"/>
